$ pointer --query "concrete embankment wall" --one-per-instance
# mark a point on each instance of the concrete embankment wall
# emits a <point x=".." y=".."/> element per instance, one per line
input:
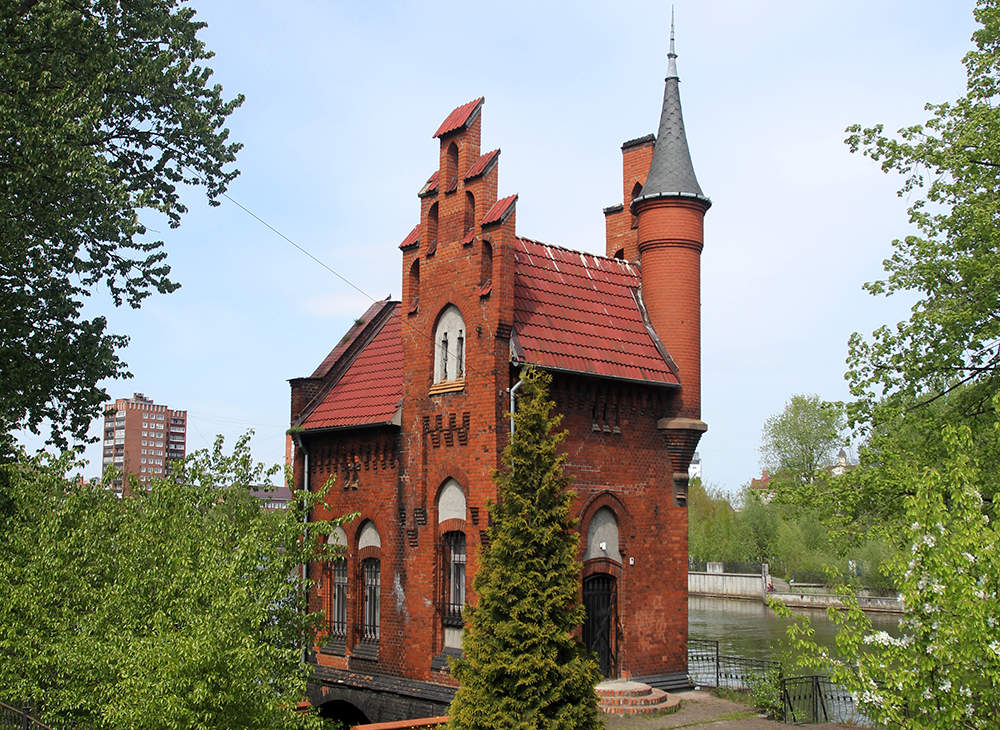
<point x="752" y="586"/>
<point x="728" y="585"/>
<point x="875" y="604"/>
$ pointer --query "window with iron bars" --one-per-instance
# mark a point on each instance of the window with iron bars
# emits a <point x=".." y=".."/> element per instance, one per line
<point x="336" y="610"/>
<point x="370" y="611"/>
<point x="453" y="572"/>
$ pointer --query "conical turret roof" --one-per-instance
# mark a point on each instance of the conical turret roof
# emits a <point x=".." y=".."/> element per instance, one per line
<point x="671" y="173"/>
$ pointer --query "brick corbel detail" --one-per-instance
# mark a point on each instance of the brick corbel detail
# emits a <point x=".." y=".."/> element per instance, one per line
<point x="681" y="436"/>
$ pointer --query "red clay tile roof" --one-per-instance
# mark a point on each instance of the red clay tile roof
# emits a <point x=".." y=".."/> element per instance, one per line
<point x="482" y="164"/>
<point x="578" y="312"/>
<point x="431" y="185"/>
<point x="345" y="342"/>
<point x="460" y="117"/>
<point x="412" y="238"/>
<point x="371" y="389"/>
<point x="500" y="210"/>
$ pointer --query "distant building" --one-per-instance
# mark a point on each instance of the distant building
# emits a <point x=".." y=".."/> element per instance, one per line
<point x="142" y="438"/>
<point x="694" y="468"/>
<point x="273" y="498"/>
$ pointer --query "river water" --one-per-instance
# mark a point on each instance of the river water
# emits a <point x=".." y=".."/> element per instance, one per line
<point x="751" y="629"/>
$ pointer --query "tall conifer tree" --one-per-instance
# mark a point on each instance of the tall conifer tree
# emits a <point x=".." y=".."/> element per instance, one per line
<point x="523" y="668"/>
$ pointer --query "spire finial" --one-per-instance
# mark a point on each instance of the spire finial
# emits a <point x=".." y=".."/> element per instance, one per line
<point x="672" y="56"/>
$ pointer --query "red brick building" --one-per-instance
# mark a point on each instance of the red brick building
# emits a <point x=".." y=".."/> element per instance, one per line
<point x="407" y="415"/>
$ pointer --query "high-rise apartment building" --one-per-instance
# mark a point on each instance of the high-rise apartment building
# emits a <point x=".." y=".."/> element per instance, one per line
<point x="142" y="438"/>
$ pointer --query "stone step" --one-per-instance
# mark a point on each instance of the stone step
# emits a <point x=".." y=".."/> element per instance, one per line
<point x="619" y="697"/>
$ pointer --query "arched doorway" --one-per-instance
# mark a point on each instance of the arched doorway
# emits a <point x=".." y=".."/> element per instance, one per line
<point x="344" y="712"/>
<point x="600" y="599"/>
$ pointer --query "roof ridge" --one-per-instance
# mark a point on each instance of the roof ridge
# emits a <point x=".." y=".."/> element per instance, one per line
<point x="574" y="250"/>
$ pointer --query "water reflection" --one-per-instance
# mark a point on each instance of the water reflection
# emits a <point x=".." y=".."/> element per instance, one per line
<point x="750" y="629"/>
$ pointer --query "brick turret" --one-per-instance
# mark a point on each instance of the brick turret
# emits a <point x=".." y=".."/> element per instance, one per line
<point x="670" y="211"/>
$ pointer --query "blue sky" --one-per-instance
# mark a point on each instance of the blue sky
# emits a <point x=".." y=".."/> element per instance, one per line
<point x="342" y="99"/>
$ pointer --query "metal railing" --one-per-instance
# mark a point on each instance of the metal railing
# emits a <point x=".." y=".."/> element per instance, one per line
<point x="815" y="698"/>
<point x="13" y="719"/>
<point x="709" y="668"/>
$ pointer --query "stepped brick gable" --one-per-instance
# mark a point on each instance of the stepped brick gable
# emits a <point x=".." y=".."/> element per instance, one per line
<point x="407" y="416"/>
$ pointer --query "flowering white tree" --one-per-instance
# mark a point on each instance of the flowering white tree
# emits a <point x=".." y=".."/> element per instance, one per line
<point x="944" y="671"/>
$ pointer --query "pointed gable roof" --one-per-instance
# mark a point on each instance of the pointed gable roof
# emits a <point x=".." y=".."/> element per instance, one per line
<point x="582" y="313"/>
<point x="461" y="117"/>
<point x="671" y="173"/>
<point x="366" y="374"/>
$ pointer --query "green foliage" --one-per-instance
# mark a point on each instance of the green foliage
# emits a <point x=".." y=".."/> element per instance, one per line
<point x="183" y="606"/>
<point x="104" y="111"/>
<point x="951" y="165"/>
<point x="522" y="668"/>
<point x="802" y="439"/>
<point x="792" y="537"/>
<point x="944" y="672"/>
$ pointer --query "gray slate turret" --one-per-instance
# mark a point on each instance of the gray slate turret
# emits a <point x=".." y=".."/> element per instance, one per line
<point x="671" y="173"/>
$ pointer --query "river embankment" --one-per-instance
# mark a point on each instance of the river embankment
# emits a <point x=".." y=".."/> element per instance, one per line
<point x="754" y="587"/>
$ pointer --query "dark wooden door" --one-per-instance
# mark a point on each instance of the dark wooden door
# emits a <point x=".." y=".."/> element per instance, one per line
<point x="600" y="599"/>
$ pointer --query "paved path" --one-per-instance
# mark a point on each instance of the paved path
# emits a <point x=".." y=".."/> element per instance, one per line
<point x="701" y="709"/>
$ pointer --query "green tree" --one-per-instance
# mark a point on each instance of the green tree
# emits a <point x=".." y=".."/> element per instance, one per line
<point x="180" y="607"/>
<point x="951" y="166"/>
<point x="944" y="671"/>
<point x="801" y="439"/>
<point x="523" y="668"/>
<point x="105" y="109"/>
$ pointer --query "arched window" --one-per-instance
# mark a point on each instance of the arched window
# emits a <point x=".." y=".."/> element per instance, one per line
<point x="453" y="564"/>
<point x="470" y="214"/>
<point x="451" y="517"/>
<point x="414" y="286"/>
<point x="449" y="346"/>
<point x="369" y="547"/>
<point x="451" y="168"/>
<point x="432" y="229"/>
<point x="336" y="588"/>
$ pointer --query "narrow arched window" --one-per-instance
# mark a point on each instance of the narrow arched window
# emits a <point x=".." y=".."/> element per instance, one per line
<point x="336" y="588"/>
<point x="453" y="573"/>
<point x="449" y="346"/>
<point x="432" y="229"/>
<point x="414" y="286"/>
<point x="369" y="547"/>
<point x="451" y="168"/>
<point x="470" y="213"/>
<point x="371" y="569"/>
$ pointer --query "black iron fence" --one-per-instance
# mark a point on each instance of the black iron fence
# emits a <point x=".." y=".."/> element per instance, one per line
<point x="14" y="719"/>
<point x="800" y="700"/>
<point x="816" y="699"/>
<point x="708" y="668"/>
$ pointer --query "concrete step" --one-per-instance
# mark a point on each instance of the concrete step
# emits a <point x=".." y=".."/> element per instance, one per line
<point x="622" y="697"/>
